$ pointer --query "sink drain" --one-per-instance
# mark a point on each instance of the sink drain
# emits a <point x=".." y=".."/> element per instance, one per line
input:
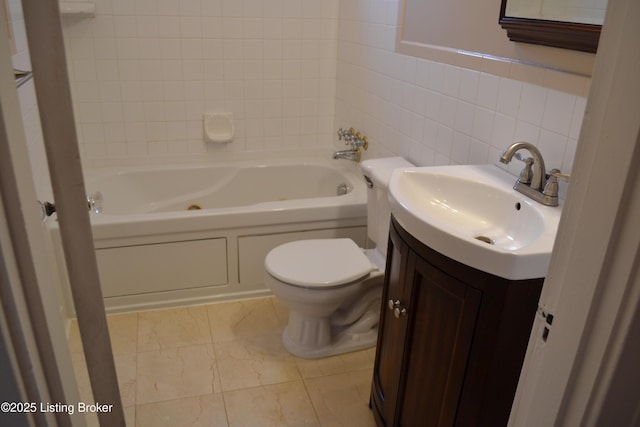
<point x="485" y="239"/>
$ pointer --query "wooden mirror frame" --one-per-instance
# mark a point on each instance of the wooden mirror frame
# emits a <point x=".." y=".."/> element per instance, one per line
<point x="565" y="35"/>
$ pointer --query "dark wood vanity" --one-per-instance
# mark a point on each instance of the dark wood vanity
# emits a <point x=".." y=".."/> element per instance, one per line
<point x="451" y="340"/>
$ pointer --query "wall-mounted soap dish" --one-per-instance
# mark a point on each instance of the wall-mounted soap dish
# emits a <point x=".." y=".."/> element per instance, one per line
<point x="78" y="8"/>
<point x="218" y="127"/>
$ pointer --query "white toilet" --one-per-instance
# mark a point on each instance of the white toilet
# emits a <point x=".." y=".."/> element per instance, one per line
<point x="331" y="286"/>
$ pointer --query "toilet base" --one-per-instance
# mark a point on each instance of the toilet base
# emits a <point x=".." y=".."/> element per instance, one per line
<point x="343" y="343"/>
<point x="358" y="336"/>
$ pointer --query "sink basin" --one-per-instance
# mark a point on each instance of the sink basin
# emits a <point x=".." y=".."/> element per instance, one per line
<point x="473" y="215"/>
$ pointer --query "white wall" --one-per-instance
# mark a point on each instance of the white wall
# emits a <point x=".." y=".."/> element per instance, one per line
<point x="292" y="72"/>
<point x="434" y="113"/>
<point x="143" y="73"/>
<point x="472" y="26"/>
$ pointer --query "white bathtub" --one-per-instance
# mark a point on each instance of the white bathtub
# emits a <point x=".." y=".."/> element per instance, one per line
<point x="153" y="251"/>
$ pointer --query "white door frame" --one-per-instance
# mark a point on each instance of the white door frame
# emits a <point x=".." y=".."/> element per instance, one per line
<point x="53" y="381"/>
<point x="48" y="60"/>
<point x="31" y="325"/>
<point x="586" y="372"/>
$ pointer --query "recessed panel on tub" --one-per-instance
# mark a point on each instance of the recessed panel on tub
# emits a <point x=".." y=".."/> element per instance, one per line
<point x="160" y="267"/>
<point x="253" y="249"/>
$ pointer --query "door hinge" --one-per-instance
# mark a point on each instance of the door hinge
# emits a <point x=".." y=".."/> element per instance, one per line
<point x="548" y="319"/>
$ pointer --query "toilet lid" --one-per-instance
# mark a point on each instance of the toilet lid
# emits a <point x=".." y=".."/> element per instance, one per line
<point x="318" y="263"/>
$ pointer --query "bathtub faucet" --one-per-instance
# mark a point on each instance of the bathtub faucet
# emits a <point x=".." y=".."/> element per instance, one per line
<point x="94" y="204"/>
<point x="353" y="139"/>
<point x="348" y="155"/>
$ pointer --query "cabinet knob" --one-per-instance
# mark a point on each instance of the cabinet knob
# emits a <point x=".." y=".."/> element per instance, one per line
<point x="399" y="311"/>
<point x="397" y="308"/>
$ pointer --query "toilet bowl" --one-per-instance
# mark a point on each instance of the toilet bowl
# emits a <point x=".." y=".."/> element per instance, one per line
<point x="333" y="291"/>
<point x="332" y="287"/>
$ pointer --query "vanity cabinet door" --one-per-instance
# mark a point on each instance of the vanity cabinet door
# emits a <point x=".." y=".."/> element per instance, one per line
<point x="442" y="316"/>
<point x="391" y="335"/>
<point x="450" y="348"/>
<point x="423" y="342"/>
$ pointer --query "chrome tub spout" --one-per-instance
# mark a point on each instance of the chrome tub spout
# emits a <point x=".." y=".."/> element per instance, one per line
<point x="353" y="155"/>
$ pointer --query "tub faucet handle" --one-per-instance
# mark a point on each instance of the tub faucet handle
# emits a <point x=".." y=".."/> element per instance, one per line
<point x="347" y="135"/>
<point x="95" y="202"/>
<point x="361" y="141"/>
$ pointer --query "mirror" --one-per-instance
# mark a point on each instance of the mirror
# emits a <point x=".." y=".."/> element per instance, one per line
<point x="558" y="23"/>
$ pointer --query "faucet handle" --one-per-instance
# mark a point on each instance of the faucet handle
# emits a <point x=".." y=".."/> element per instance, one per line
<point x="551" y="187"/>
<point x="526" y="175"/>
<point x="353" y="138"/>
<point x="522" y="158"/>
<point x="348" y="135"/>
<point x="360" y="141"/>
<point x="95" y="202"/>
<point x="555" y="173"/>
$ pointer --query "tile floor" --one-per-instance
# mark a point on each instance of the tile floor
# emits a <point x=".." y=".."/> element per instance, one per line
<point x="224" y="365"/>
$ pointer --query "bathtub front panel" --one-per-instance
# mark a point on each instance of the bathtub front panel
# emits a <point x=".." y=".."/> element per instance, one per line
<point x="161" y="267"/>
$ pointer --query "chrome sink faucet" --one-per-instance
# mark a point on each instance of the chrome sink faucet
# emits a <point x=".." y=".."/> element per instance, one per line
<point x="539" y="171"/>
<point x="534" y="182"/>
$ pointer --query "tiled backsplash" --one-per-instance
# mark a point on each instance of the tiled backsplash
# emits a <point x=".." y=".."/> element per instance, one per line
<point x="434" y="113"/>
<point x="292" y="71"/>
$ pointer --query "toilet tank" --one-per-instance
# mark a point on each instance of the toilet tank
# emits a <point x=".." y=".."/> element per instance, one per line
<point x="377" y="173"/>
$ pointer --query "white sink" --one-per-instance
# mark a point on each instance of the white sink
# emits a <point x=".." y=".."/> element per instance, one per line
<point x="473" y="215"/>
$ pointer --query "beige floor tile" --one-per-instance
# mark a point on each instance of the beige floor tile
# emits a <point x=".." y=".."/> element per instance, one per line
<point x="173" y="364"/>
<point x="242" y="319"/>
<point x="253" y="362"/>
<point x="130" y="416"/>
<point x="173" y="328"/>
<point x="175" y="373"/>
<point x="125" y="370"/>
<point x="123" y="330"/>
<point x="82" y="380"/>
<point x="285" y="404"/>
<point x="342" y="400"/>
<point x="282" y="311"/>
<point x="198" y="411"/>
<point x="363" y="359"/>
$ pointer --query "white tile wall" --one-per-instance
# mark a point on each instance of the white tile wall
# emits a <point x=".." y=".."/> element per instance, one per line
<point x="438" y="114"/>
<point x="292" y="71"/>
<point x="143" y="72"/>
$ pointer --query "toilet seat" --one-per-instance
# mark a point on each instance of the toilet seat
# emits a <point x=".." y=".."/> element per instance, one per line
<point x="318" y="263"/>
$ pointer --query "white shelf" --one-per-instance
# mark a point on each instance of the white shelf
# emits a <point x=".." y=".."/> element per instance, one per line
<point x="77" y="8"/>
